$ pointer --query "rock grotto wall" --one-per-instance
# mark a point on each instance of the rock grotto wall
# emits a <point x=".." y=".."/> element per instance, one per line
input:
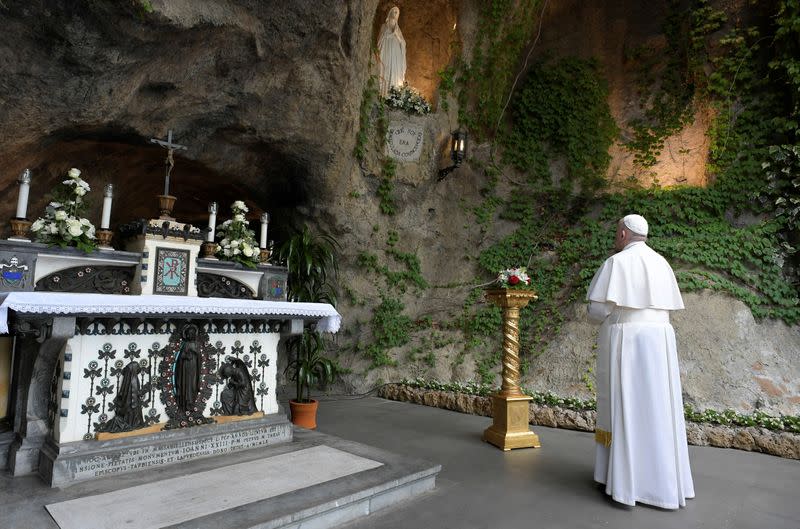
<point x="266" y="94"/>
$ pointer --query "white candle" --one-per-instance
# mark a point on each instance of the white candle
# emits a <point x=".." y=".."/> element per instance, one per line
<point x="24" y="189"/>
<point x="212" y="221"/>
<point x="105" y="219"/>
<point x="264" y="223"/>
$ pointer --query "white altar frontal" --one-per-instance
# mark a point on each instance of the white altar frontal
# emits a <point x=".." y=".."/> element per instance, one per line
<point x="120" y="361"/>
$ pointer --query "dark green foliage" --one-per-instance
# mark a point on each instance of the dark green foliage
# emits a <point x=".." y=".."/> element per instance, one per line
<point x="309" y="367"/>
<point x="313" y="266"/>
<point x="386" y="187"/>
<point x="312" y="261"/>
<point x="368" y="97"/>
<point x="721" y="237"/>
<point x="561" y="110"/>
<point x="786" y="62"/>
<point x="398" y="280"/>
<point x="668" y="98"/>
<point x="504" y="30"/>
<point x="390" y="328"/>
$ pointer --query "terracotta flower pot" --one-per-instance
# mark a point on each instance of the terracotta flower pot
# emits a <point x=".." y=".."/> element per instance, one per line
<point x="304" y="414"/>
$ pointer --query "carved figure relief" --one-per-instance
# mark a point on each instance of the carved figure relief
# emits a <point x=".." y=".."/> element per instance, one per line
<point x="187" y="375"/>
<point x="128" y="401"/>
<point x="237" y="398"/>
<point x="187" y="370"/>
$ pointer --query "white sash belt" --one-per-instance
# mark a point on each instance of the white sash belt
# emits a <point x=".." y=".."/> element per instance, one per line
<point x="621" y="315"/>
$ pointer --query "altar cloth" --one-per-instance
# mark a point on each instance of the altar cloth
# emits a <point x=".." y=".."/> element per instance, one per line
<point x="106" y="304"/>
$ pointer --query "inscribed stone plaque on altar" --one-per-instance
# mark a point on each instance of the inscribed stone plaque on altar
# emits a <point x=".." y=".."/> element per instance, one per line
<point x="172" y="272"/>
<point x="94" y="459"/>
<point x="404" y="141"/>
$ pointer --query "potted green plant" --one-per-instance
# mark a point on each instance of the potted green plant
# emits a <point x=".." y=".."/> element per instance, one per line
<point x="309" y="367"/>
<point x="313" y="270"/>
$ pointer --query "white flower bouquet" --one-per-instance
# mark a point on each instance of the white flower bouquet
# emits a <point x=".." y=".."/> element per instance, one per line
<point x="408" y="100"/>
<point x="237" y="241"/>
<point x="63" y="223"/>
<point x="513" y="278"/>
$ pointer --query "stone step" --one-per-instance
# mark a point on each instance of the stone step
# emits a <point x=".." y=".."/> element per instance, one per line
<point x="343" y="481"/>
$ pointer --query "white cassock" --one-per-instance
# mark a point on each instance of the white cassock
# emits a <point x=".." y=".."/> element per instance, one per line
<point x="642" y="454"/>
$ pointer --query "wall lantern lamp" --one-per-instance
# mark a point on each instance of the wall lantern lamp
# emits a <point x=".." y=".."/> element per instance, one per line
<point x="458" y="151"/>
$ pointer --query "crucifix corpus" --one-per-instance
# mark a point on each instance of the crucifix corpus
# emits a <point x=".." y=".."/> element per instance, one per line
<point x="170" y="162"/>
<point x="167" y="201"/>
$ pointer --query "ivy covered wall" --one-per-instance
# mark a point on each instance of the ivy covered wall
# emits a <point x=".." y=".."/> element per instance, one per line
<point x="542" y="187"/>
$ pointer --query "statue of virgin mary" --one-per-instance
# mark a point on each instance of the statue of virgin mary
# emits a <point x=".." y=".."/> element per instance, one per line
<point x="391" y="53"/>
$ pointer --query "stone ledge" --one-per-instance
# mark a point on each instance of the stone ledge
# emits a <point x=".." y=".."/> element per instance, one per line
<point x="752" y="439"/>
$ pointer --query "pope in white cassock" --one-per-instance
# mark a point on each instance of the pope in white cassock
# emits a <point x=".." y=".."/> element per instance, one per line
<point x="642" y="453"/>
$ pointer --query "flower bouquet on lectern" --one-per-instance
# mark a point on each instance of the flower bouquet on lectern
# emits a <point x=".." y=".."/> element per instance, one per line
<point x="513" y="278"/>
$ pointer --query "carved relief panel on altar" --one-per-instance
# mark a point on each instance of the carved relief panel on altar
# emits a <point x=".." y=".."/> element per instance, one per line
<point x="150" y="377"/>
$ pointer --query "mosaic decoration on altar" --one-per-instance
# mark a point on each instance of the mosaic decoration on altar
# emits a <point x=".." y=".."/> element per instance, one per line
<point x="216" y="408"/>
<point x="187" y="374"/>
<point x="96" y="403"/>
<point x="276" y="288"/>
<point x="263" y="363"/>
<point x="89" y="279"/>
<point x="172" y="272"/>
<point x="214" y="285"/>
<point x="13" y="274"/>
<point x="153" y="356"/>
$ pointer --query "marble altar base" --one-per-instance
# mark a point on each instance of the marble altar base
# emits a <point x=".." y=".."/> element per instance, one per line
<point x="68" y="463"/>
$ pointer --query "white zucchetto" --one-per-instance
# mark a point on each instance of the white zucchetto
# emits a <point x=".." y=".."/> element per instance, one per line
<point x="636" y="223"/>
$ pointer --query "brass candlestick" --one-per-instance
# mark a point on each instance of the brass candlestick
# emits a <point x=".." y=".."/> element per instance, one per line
<point x="20" y="229"/>
<point x="165" y="204"/>
<point x="510" y="406"/>
<point x="104" y="239"/>
<point x="209" y="249"/>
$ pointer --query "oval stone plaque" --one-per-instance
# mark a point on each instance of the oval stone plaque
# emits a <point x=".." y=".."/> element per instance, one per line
<point x="404" y="141"/>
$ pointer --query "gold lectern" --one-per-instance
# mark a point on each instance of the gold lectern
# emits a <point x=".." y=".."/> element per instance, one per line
<point x="510" y="406"/>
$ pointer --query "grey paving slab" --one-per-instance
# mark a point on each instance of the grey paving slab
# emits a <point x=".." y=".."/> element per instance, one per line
<point x="332" y="502"/>
<point x="551" y="487"/>
<point x="479" y="486"/>
<point x="187" y="497"/>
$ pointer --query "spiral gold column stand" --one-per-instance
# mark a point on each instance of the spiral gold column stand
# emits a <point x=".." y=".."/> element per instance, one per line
<point x="510" y="406"/>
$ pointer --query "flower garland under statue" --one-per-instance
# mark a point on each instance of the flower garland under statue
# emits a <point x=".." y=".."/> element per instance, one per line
<point x="63" y="223"/>
<point x="238" y="241"/>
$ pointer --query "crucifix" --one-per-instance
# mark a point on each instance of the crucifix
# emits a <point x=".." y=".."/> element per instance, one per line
<point x="170" y="162"/>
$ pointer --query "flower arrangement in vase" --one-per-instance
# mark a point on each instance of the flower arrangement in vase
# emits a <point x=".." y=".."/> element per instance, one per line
<point x="513" y="278"/>
<point x="237" y="241"/>
<point x="63" y="223"/>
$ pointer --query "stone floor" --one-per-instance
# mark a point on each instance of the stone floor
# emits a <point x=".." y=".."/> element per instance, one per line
<point x="482" y="487"/>
<point x="551" y="487"/>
